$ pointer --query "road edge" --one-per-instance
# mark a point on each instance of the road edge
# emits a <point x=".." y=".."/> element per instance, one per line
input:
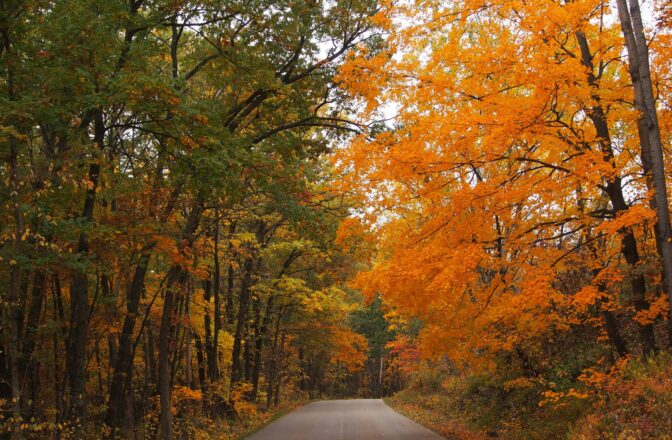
<point x="276" y="415"/>
<point x="398" y="409"/>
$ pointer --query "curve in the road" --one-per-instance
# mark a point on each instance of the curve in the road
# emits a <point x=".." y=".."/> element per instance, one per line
<point x="361" y="419"/>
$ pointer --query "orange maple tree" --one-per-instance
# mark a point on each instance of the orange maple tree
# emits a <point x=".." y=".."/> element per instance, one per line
<point x="511" y="194"/>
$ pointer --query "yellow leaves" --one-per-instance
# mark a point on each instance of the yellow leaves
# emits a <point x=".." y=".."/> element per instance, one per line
<point x="317" y="302"/>
<point x="405" y="356"/>
<point x="634" y="401"/>
<point x="185" y="393"/>
<point x="349" y="227"/>
<point x="114" y="329"/>
<point x="243" y="406"/>
<point x="394" y="320"/>
<point x="185" y="400"/>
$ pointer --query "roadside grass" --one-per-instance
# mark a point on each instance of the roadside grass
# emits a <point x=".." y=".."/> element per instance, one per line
<point x="265" y="418"/>
<point x="253" y="419"/>
<point x="434" y="412"/>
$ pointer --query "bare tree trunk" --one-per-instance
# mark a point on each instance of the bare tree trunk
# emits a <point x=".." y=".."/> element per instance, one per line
<point x="59" y="375"/>
<point x="380" y="377"/>
<point x="248" y="348"/>
<point x="11" y="311"/>
<point x="649" y="132"/>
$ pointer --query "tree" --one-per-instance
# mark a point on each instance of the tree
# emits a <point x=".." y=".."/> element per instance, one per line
<point x="504" y="193"/>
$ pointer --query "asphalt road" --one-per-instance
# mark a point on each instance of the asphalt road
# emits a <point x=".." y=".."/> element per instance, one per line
<point x="362" y="419"/>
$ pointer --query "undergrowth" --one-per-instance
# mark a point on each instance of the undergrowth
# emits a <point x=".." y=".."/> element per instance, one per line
<point x="630" y="403"/>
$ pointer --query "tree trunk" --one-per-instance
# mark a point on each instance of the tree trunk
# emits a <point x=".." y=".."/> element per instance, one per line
<point x="248" y="347"/>
<point x="611" y="325"/>
<point x="230" y="279"/>
<point x="212" y="357"/>
<point x="210" y="349"/>
<point x="30" y="366"/>
<point x="649" y="133"/>
<point x="151" y="357"/>
<point x="259" y="345"/>
<point x="200" y="359"/>
<point x="59" y="377"/>
<point x="272" y="368"/>
<point x="187" y="354"/>
<point x="175" y="275"/>
<point x="11" y="309"/>
<point x="276" y="397"/>
<point x="79" y="297"/>
<point x="124" y="360"/>
<point x="614" y="190"/>
<point x="243" y="307"/>
<point x="165" y="333"/>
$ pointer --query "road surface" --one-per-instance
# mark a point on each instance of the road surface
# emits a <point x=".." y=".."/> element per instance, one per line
<point x="362" y="419"/>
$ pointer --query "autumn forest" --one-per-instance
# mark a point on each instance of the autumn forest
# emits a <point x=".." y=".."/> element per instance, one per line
<point x="215" y="211"/>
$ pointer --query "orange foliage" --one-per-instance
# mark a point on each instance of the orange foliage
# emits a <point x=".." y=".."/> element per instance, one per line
<point x="350" y="349"/>
<point x="487" y="196"/>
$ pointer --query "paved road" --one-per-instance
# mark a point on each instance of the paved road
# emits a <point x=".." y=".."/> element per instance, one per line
<point x="363" y="419"/>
